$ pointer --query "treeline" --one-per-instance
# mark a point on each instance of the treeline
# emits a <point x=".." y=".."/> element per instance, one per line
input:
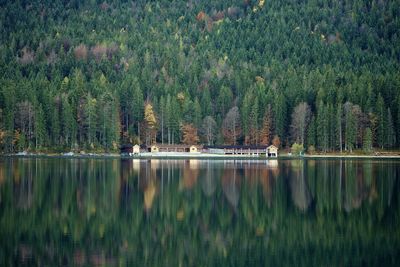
<point x="96" y="75"/>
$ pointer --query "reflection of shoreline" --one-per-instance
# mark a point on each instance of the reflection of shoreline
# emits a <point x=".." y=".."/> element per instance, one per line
<point x="354" y="156"/>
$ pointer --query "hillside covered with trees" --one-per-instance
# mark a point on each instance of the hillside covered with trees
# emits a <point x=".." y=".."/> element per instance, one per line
<point x="92" y="75"/>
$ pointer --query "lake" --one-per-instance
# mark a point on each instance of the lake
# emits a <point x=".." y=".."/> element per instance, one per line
<point x="117" y="212"/>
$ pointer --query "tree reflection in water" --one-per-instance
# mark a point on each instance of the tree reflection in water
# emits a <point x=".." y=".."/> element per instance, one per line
<point x="198" y="212"/>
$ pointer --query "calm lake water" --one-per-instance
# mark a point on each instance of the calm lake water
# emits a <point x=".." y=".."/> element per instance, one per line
<point x="118" y="212"/>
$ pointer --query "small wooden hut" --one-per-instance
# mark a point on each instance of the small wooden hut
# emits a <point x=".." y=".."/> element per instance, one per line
<point x="193" y="149"/>
<point x="136" y="149"/>
<point x="272" y="151"/>
<point x="155" y="149"/>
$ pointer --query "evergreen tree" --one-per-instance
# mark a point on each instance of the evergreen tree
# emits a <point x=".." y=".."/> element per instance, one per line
<point x="280" y="113"/>
<point x="206" y="102"/>
<point x="161" y="114"/>
<point x="367" y="143"/>
<point x="322" y="127"/>
<point x="246" y="109"/>
<point x="398" y="120"/>
<point x="114" y="125"/>
<point x="381" y="125"/>
<point x="350" y="127"/>
<point x="90" y="119"/>
<point x="55" y="126"/>
<point x="311" y="133"/>
<point x="225" y="99"/>
<point x="266" y="131"/>
<point x="40" y="128"/>
<point x="137" y="107"/>
<point x="339" y="127"/>
<point x="331" y="126"/>
<point x="68" y="123"/>
<point x="390" y="133"/>
<point x="197" y="113"/>
<point x="254" y="131"/>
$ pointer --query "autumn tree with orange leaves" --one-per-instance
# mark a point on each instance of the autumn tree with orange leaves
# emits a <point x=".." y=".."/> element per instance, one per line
<point x="189" y="134"/>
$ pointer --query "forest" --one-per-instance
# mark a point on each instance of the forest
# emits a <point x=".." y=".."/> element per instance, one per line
<point x="93" y="75"/>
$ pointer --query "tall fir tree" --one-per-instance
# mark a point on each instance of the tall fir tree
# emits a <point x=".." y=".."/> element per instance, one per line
<point x="350" y="127"/>
<point x="68" y="123"/>
<point x="254" y="127"/>
<point x="267" y="131"/>
<point x="381" y="118"/>
<point x="322" y="127"/>
<point x="367" y="142"/>
<point x="339" y="127"/>
<point x="311" y="133"/>
<point x="390" y="132"/>
<point x="280" y="114"/>
<point x="39" y="127"/>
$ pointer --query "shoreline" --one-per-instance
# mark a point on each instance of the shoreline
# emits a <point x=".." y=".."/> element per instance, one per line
<point x="184" y="155"/>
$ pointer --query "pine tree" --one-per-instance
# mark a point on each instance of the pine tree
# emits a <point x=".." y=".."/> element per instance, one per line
<point x="381" y="116"/>
<point x="339" y="127"/>
<point x="90" y="119"/>
<point x="162" y="117"/>
<point x="39" y="127"/>
<point x="254" y="134"/>
<point x="78" y="86"/>
<point x="331" y="126"/>
<point x="398" y="119"/>
<point x="280" y="113"/>
<point x="311" y="133"/>
<point x="68" y="123"/>
<point x="172" y="119"/>
<point x="206" y="102"/>
<point x="266" y="131"/>
<point x="114" y="125"/>
<point x="224" y="100"/>
<point x="350" y="127"/>
<point x="246" y="109"/>
<point x="137" y="106"/>
<point x="55" y="126"/>
<point x="197" y="113"/>
<point x="390" y="133"/>
<point x="367" y="142"/>
<point x="322" y="127"/>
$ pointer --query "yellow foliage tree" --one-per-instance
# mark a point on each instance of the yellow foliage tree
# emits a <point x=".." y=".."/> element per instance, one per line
<point x="151" y="122"/>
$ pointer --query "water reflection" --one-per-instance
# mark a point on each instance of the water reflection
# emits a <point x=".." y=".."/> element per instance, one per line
<point x="198" y="212"/>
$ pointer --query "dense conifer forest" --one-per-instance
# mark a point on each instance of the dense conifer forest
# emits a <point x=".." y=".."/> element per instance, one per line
<point x="92" y="75"/>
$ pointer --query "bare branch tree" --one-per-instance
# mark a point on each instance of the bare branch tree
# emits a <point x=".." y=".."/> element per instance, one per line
<point x="209" y="129"/>
<point x="300" y="119"/>
<point x="231" y="127"/>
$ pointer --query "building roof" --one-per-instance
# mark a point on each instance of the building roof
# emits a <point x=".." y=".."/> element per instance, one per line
<point x="175" y="146"/>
